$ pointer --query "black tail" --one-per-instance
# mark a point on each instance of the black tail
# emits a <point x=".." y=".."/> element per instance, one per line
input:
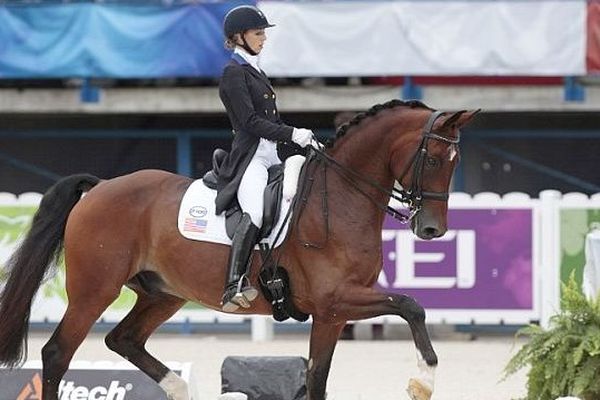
<point x="32" y="260"/>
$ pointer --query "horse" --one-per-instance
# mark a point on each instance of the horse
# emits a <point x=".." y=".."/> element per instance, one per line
<point x="123" y="232"/>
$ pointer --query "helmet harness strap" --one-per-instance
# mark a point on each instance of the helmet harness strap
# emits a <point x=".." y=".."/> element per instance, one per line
<point x="246" y="46"/>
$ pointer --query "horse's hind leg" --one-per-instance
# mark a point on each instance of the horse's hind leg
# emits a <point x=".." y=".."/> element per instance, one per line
<point x="82" y="312"/>
<point x="129" y="337"/>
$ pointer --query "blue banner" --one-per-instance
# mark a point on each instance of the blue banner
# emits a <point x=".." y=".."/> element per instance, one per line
<point x="111" y="40"/>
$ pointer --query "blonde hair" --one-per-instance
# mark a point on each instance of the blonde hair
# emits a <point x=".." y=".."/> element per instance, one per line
<point x="231" y="42"/>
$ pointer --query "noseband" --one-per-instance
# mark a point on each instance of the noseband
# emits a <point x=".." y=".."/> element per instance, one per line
<point x="415" y="195"/>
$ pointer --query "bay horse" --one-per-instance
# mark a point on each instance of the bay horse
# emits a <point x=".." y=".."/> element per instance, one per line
<point x="125" y="229"/>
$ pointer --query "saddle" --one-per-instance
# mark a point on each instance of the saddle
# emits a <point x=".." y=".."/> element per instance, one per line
<point x="274" y="280"/>
<point x="272" y="196"/>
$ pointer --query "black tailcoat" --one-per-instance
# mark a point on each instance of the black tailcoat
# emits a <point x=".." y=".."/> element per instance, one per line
<point x="249" y="100"/>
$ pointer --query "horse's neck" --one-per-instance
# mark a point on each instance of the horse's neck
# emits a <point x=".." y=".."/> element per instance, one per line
<point x="365" y="152"/>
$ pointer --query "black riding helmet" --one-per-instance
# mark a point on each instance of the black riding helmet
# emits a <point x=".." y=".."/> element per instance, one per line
<point x="243" y="18"/>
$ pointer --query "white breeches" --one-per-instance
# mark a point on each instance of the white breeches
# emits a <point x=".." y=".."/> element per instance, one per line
<point x="252" y="186"/>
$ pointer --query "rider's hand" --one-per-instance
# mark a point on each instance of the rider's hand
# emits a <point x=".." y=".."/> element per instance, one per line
<point x="316" y="144"/>
<point x="302" y="136"/>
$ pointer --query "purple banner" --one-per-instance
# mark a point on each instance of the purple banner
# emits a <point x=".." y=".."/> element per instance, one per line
<point x="483" y="262"/>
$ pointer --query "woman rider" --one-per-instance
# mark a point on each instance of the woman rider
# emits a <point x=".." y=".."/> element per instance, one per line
<point x="249" y="100"/>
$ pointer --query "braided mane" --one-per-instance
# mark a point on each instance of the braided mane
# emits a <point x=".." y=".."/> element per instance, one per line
<point x="343" y="129"/>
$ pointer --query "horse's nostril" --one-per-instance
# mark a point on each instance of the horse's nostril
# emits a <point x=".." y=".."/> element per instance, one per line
<point x="430" y="231"/>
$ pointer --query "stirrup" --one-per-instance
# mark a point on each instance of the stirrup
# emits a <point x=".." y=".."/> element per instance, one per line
<point x="249" y="292"/>
<point x="242" y="297"/>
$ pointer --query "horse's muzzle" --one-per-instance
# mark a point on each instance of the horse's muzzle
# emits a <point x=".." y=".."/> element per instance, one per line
<point x="426" y="228"/>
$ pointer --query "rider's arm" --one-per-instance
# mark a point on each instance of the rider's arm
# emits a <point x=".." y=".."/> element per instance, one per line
<point x="236" y="97"/>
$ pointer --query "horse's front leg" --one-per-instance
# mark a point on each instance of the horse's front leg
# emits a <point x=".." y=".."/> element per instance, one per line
<point x="358" y="303"/>
<point x="323" y="338"/>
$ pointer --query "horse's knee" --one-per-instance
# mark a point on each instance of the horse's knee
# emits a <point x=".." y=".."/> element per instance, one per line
<point x="417" y="312"/>
<point x="410" y="310"/>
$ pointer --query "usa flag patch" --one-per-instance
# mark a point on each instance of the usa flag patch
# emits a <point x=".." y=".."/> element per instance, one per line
<point x="195" y="225"/>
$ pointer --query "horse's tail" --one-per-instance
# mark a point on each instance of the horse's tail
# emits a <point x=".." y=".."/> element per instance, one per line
<point x="32" y="260"/>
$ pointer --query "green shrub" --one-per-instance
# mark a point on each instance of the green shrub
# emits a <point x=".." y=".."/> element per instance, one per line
<point x="564" y="360"/>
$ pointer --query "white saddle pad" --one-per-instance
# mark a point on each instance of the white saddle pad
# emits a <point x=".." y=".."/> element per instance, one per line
<point x="197" y="219"/>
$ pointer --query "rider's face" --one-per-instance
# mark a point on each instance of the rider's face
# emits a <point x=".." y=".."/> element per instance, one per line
<point x="255" y="39"/>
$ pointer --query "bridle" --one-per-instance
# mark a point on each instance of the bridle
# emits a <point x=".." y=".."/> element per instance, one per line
<point x="414" y="196"/>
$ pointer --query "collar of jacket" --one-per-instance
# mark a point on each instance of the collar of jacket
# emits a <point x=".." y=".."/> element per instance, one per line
<point x="240" y="60"/>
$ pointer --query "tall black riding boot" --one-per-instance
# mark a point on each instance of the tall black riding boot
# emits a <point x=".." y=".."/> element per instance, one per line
<point x="238" y="291"/>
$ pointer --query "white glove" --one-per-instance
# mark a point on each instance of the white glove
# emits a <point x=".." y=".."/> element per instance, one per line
<point x="316" y="144"/>
<point x="302" y="136"/>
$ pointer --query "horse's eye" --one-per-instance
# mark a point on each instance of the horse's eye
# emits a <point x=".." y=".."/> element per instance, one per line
<point x="431" y="162"/>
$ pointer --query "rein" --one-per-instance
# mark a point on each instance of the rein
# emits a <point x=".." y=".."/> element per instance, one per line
<point x="414" y="196"/>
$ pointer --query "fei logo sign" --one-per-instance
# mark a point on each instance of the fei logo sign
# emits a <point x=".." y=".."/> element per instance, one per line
<point x="406" y="258"/>
<point x="483" y="262"/>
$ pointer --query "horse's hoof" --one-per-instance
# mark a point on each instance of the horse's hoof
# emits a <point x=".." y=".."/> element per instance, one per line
<point x="418" y="390"/>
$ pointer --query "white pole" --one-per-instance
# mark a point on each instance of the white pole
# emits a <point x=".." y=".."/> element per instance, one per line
<point x="262" y="328"/>
<point x="549" y="255"/>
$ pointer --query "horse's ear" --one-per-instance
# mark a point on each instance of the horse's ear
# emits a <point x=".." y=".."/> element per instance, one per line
<point x="467" y="117"/>
<point x="460" y="118"/>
